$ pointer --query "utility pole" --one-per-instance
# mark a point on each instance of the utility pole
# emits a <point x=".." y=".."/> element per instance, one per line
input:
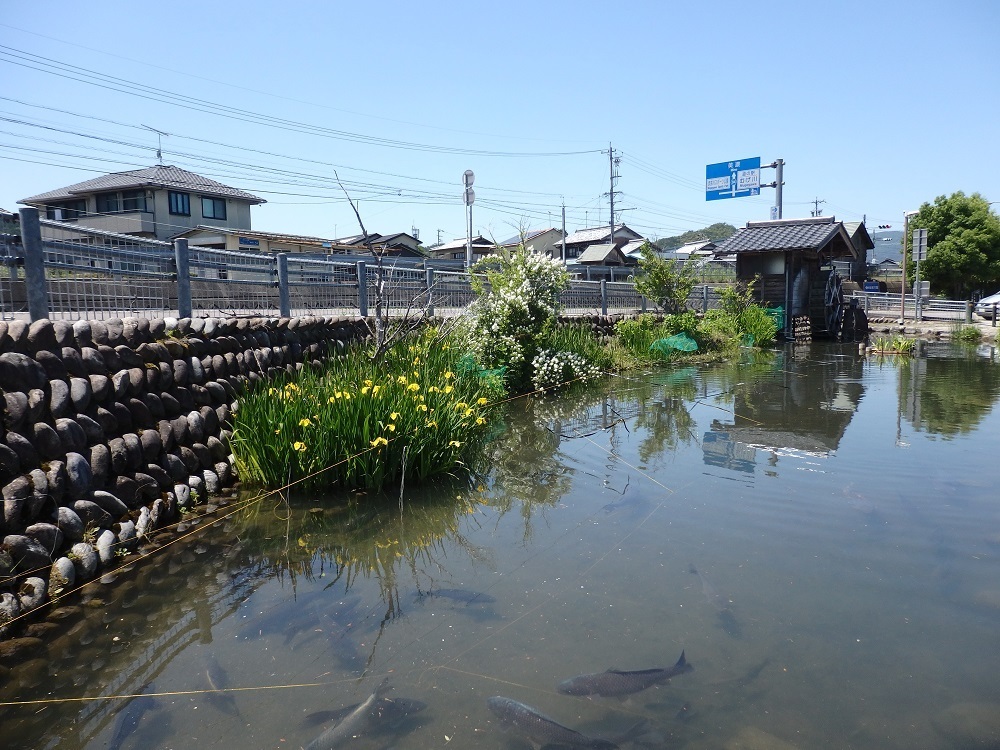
<point x="613" y="165"/>
<point x="564" y="232"/>
<point x="817" y="211"/>
<point x="439" y="236"/>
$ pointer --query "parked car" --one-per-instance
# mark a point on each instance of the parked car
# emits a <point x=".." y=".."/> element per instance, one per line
<point x="984" y="308"/>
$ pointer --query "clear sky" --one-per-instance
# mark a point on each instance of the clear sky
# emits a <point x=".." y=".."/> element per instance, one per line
<point x="874" y="106"/>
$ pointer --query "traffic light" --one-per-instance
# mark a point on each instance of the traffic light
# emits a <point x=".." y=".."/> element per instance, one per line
<point x="885" y="226"/>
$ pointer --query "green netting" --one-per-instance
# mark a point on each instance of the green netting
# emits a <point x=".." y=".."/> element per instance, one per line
<point x="678" y="342"/>
<point x="746" y="341"/>
<point x="467" y="365"/>
<point x="778" y="313"/>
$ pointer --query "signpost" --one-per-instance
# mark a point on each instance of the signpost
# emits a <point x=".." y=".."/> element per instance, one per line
<point x="919" y="254"/>
<point x="732" y="179"/>
<point x="468" y="178"/>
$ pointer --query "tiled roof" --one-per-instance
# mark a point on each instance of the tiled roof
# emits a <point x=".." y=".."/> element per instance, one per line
<point x="795" y="234"/>
<point x="596" y="234"/>
<point x="297" y="239"/>
<point x="161" y="176"/>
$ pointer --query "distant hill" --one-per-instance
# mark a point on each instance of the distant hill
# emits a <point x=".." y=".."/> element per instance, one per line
<point x="888" y="246"/>
<point x="716" y="232"/>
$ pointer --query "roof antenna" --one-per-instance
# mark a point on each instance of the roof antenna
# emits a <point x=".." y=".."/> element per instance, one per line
<point x="159" y="135"/>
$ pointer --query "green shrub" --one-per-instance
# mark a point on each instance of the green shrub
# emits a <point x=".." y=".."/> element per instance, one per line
<point x="348" y="425"/>
<point x="967" y="334"/>
<point x="668" y="283"/>
<point x="718" y="332"/>
<point x="515" y="311"/>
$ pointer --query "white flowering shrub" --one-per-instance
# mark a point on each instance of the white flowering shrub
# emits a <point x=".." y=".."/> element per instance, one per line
<point x="516" y="309"/>
<point x="552" y="369"/>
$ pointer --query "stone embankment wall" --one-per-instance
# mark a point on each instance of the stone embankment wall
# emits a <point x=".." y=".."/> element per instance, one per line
<point x="111" y="428"/>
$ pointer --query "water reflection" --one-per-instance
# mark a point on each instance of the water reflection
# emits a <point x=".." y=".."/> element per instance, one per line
<point x="797" y="406"/>
<point x="947" y="396"/>
<point x="607" y="533"/>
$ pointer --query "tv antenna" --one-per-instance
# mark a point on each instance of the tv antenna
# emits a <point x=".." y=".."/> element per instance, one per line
<point x="159" y="150"/>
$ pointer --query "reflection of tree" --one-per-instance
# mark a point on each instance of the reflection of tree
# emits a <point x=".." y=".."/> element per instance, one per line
<point x="360" y="538"/>
<point x="947" y="396"/>
<point x="668" y="424"/>
<point x="527" y="466"/>
<point x="664" y="417"/>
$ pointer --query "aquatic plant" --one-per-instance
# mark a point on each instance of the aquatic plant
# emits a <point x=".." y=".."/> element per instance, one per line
<point x="967" y="334"/>
<point x="895" y="344"/>
<point x="750" y="318"/>
<point x="355" y="424"/>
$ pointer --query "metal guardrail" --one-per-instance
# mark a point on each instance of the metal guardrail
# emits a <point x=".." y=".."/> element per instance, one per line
<point x="887" y="302"/>
<point x="72" y="272"/>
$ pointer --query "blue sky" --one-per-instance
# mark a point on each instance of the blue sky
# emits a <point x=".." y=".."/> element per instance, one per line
<point x="875" y="107"/>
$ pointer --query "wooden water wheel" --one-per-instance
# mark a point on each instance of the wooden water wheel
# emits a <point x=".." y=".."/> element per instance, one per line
<point x="826" y="304"/>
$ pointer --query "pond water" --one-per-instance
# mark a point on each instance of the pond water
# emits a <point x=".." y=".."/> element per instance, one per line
<point x="818" y="533"/>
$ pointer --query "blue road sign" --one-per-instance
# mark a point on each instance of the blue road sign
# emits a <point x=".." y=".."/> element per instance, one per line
<point x="732" y="179"/>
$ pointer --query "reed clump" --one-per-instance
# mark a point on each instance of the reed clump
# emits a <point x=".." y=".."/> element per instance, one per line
<point x="415" y="414"/>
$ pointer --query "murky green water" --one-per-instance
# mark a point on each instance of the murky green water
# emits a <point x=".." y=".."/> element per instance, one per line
<point x="842" y="516"/>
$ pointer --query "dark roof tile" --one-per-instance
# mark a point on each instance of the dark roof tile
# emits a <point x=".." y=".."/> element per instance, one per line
<point x="159" y="176"/>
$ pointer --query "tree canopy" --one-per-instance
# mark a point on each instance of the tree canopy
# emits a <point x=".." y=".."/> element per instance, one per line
<point x="668" y="283"/>
<point x="963" y="245"/>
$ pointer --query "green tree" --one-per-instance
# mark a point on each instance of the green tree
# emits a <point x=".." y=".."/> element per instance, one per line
<point x="667" y="282"/>
<point x="963" y="245"/>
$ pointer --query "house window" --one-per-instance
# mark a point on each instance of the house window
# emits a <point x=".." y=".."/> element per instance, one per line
<point x="66" y="210"/>
<point x="134" y="200"/>
<point x="126" y="201"/>
<point x="107" y="203"/>
<point x="213" y="208"/>
<point x="180" y="203"/>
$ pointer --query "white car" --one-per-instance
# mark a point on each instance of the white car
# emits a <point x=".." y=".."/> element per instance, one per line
<point x="984" y="308"/>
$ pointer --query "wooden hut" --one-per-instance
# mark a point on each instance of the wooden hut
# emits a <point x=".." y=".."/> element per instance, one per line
<point x="792" y="262"/>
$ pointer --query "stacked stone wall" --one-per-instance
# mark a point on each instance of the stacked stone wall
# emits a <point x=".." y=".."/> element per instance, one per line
<point x="111" y="428"/>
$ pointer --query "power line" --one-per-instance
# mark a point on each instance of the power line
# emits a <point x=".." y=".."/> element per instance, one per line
<point x="60" y="69"/>
<point x="230" y="84"/>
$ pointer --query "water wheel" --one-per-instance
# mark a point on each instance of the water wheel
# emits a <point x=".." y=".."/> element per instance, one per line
<point x="826" y="304"/>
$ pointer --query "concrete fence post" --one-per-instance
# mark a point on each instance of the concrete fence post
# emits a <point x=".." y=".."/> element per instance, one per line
<point x="182" y="261"/>
<point x="642" y="303"/>
<point x="968" y="312"/>
<point x="429" y="281"/>
<point x="284" y="298"/>
<point x="604" y="296"/>
<point x="34" y="264"/>
<point x="704" y="298"/>
<point x="362" y="289"/>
